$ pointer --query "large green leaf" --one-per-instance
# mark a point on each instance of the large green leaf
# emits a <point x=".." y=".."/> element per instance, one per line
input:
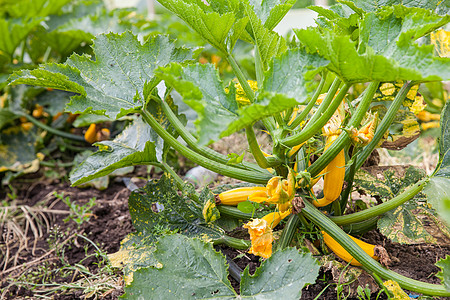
<point x="438" y="194"/>
<point x="285" y="273"/>
<point x="113" y="84"/>
<point x="374" y="5"/>
<point x="68" y="36"/>
<point x="293" y="74"/>
<point x="136" y="252"/>
<point x="203" y="91"/>
<point x="271" y="12"/>
<point x="17" y="150"/>
<point x="191" y="269"/>
<point x="437" y="189"/>
<point x="407" y="223"/>
<point x="6" y="116"/>
<point x="221" y="30"/>
<point x="266" y="105"/>
<point x="138" y="144"/>
<point x="13" y="32"/>
<point x="268" y="42"/>
<point x="444" y="274"/>
<point x="158" y="207"/>
<point x="34" y="8"/>
<point x="387" y="49"/>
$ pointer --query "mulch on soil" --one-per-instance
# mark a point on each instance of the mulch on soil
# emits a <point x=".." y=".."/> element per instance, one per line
<point x="111" y="222"/>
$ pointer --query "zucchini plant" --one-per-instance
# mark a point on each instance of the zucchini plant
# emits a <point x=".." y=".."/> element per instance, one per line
<point x="327" y="98"/>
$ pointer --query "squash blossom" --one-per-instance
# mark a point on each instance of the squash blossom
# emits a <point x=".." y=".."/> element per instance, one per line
<point x="261" y="233"/>
<point x="441" y="40"/>
<point x="241" y="97"/>
<point x="278" y="191"/>
<point x="365" y="134"/>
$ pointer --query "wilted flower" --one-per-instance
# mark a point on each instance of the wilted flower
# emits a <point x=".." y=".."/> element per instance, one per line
<point x="261" y="234"/>
<point x="278" y="191"/>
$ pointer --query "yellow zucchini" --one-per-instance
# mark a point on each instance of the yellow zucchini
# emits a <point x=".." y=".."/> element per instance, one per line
<point x="237" y="195"/>
<point x="91" y="134"/>
<point x="333" y="178"/>
<point x="343" y="254"/>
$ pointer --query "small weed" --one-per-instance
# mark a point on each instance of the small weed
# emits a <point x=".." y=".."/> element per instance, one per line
<point x="79" y="213"/>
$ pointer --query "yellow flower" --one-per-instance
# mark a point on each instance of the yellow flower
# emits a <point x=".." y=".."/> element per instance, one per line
<point x="261" y="233"/>
<point x="278" y="191"/>
<point x="241" y="97"/>
<point x="365" y="134"/>
<point x="261" y="236"/>
<point x="441" y="40"/>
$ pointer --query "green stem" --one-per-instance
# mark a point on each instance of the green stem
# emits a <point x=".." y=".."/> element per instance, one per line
<point x="258" y="67"/>
<point x="383" y="207"/>
<point x="344" y="138"/>
<point x="233" y="212"/>
<point x="232" y="242"/>
<point x="310" y="105"/>
<point x="348" y="189"/>
<point x="268" y="122"/>
<point x="336" y="207"/>
<point x="317" y="125"/>
<point x="368" y="262"/>
<point x="256" y="150"/>
<point x="361" y="227"/>
<point x="56" y="164"/>
<point x="326" y="102"/>
<point x="245" y="175"/>
<point x="288" y="231"/>
<point x="53" y="130"/>
<point x="241" y="78"/>
<point x="385" y="123"/>
<point x="192" y="142"/>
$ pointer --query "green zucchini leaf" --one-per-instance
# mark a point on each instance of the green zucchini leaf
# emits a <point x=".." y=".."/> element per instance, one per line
<point x="158" y="207"/>
<point x="203" y="91"/>
<point x="113" y="84"/>
<point x="138" y="144"/>
<point x="444" y="274"/>
<point x="271" y="12"/>
<point x="192" y="269"/>
<point x="217" y="23"/>
<point x="386" y="51"/>
<point x="268" y="42"/>
<point x="412" y="221"/>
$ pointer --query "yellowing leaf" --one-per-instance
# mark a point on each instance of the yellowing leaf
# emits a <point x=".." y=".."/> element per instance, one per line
<point x="395" y="288"/>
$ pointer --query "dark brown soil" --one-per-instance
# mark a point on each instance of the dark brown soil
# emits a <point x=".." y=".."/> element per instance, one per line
<point x="110" y="223"/>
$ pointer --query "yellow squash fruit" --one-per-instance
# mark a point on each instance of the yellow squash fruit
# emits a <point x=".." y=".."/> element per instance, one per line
<point x="91" y="134"/>
<point x="237" y="195"/>
<point x="38" y="111"/>
<point x="374" y="251"/>
<point x="333" y="178"/>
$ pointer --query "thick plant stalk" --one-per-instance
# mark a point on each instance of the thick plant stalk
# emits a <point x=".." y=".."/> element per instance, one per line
<point x="255" y="149"/>
<point x="310" y="105"/>
<point x="308" y="132"/>
<point x="383" y="207"/>
<point x="232" y="211"/>
<point x="192" y="142"/>
<point x="385" y="123"/>
<point x="244" y="175"/>
<point x="368" y="262"/>
<point x="344" y="138"/>
<point x="53" y="130"/>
